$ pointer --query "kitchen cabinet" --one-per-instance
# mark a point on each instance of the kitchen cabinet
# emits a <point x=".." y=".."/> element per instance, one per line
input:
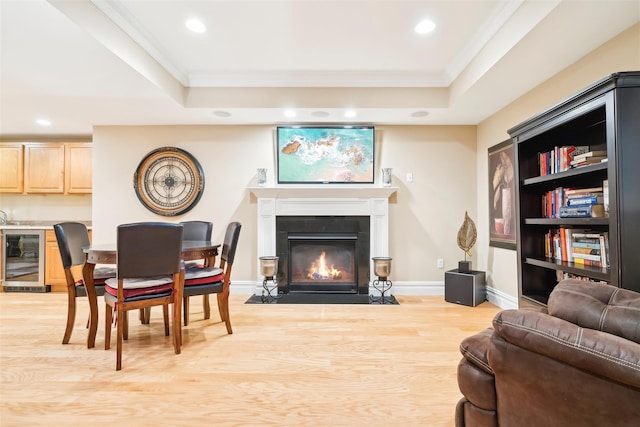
<point x="77" y="168"/>
<point x="11" y="168"/>
<point x="46" y="168"/>
<point x="53" y="269"/>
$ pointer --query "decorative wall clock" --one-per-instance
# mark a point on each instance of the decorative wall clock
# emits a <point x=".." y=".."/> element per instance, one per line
<point x="169" y="181"/>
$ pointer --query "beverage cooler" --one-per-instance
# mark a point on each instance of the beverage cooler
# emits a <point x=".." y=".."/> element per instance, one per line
<point x="23" y="261"/>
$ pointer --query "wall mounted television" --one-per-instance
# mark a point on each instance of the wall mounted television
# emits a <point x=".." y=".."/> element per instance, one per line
<point x="325" y="154"/>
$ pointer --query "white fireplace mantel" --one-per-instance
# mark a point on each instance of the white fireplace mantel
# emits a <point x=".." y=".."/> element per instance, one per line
<point x="347" y="200"/>
<point x="323" y="191"/>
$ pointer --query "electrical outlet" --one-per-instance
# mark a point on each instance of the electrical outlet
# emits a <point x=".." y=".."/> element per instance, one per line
<point x="440" y="263"/>
<point x="409" y="177"/>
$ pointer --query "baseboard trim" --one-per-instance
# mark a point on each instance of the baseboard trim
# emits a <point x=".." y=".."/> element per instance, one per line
<point x="404" y="288"/>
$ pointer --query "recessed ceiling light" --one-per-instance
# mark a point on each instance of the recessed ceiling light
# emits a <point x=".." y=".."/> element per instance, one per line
<point x="421" y="113"/>
<point x="196" y="25"/>
<point x="320" y="114"/>
<point x="290" y="114"/>
<point x="349" y="113"/>
<point x="43" y="122"/>
<point x="425" y="26"/>
<point x="221" y="113"/>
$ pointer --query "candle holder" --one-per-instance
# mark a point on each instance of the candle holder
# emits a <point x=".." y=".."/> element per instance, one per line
<point x="269" y="269"/>
<point x="382" y="269"/>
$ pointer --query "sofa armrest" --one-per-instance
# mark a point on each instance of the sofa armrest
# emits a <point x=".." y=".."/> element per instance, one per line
<point x="474" y="349"/>
<point x="593" y="351"/>
<point x="475" y="377"/>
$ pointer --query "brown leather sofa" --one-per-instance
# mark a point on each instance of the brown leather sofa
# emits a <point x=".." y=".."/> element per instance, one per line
<point x="575" y="363"/>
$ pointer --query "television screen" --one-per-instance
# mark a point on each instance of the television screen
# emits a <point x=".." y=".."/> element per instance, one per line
<point x="325" y="154"/>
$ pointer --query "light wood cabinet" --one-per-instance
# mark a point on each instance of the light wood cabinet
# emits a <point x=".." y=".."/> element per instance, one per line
<point x="53" y="269"/>
<point x="46" y="168"/>
<point x="11" y="168"/>
<point x="78" y="170"/>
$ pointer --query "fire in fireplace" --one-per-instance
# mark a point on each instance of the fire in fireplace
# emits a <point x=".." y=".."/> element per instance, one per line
<point x="323" y="254"/>
<point x="323" y="262"/>
<point x="320" y="270"/>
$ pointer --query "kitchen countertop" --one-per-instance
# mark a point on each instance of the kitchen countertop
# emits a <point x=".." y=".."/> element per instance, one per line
<point x="35" y="225"/>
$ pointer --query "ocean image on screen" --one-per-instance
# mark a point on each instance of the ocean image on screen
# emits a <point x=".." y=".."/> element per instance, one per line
<point x="325" y="155"/>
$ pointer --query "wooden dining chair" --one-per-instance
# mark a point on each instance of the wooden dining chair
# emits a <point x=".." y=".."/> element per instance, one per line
<point x="215" y="280"/>
<point x="195" y="230"/>
<point x="72" y="238"/>
<point x="149" y="273"/>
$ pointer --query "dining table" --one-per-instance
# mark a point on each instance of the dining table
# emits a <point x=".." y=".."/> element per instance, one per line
<point x="107" y="254"/>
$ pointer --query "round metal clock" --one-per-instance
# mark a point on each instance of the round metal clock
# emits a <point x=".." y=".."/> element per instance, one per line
<point x="169" y="181"/>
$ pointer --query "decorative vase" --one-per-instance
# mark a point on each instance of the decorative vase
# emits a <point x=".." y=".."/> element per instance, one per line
<point x="262" y="177"/>
<point x="386" y="177"/>
<point x="507" y="214"/>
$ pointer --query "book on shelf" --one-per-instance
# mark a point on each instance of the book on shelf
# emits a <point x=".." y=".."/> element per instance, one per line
<point x="583" y="191"/>
<point x="584" y="211"/>
<point x="561" y="275"/>
<point x="604" y="248"/>
<point x="595" y="153"/>
<point x="605" y="194"/>
<point x="585" y="200"/>
<point x="587" y="161"/>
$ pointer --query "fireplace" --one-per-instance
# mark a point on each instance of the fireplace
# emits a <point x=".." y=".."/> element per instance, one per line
<point x="347" y="203"/>
<point x="319" y="254"/>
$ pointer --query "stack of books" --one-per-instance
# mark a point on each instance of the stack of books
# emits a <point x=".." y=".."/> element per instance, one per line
<point x="588" y="158"/>
<point x="590" y="248"/>
<point x="576" y="202"/>
<point x="583" y="203"/>
<point x="580" y="246"/>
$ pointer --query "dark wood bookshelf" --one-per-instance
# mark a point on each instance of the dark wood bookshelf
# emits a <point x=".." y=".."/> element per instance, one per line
<point x="603" y="116"/>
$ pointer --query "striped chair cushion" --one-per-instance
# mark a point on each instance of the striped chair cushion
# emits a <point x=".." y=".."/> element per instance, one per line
<point x="140" y="286"/>
<point x="199" y="276"/>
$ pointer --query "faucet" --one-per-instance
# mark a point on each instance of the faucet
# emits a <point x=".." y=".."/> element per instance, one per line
<point x="3" y="218"/>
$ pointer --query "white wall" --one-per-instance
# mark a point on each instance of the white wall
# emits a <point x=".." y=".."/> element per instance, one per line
<point x="619" y="54"/>
<point x="425" y="214"/>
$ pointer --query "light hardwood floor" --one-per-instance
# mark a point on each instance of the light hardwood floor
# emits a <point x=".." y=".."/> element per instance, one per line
<point x="284" y="365"/>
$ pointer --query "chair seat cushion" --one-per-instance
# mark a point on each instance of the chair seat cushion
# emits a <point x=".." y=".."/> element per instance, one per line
<point x="104" y="272"/>
<point x="197" y="272"/>
<point x="140" y="286"/>
<point x="203" y="276"/>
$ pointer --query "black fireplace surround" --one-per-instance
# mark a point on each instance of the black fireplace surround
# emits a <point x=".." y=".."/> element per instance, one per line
<point x="349" y="232"/>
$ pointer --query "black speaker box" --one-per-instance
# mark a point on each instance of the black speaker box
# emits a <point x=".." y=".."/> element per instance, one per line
<point x="466" y="288"/>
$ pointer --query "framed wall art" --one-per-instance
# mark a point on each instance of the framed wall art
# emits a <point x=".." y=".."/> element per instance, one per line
<point x="502" y="196"/>
<point x="325" y="154"/>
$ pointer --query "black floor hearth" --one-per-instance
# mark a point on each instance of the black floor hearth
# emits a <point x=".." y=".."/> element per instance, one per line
<point x="321" y="298"/>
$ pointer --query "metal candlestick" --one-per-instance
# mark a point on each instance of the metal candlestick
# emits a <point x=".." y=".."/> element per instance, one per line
<point x="269" y="269"/>
<point x="382" y="269"/>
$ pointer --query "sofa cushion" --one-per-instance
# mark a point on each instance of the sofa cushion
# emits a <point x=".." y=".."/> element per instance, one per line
<point x="591" y="350"/>
<point x="595" y="306"/>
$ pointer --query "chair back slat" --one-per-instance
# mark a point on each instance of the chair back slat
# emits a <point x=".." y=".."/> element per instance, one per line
<point x="148" y="249"/>
<point x="72" y="238"/>
<point x="197" y="230"/>
<point x="230" y="242"/>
